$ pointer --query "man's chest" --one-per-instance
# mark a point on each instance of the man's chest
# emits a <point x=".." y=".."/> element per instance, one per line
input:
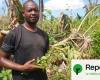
<point x="32" y="40"/>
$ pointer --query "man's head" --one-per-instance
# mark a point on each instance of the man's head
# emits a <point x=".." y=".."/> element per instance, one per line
<point x="30" y="12"/>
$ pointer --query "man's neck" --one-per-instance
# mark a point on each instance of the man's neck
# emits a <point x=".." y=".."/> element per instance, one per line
<point x="30" y="27"/>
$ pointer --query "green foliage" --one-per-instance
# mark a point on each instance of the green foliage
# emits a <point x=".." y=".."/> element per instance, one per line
<point x="53" y="60"/>
<point x="62" y="55"/>
<point x="18" y="10"/>
<point x="52" y="39"/>
<point x="96" y="44"/>
<point x="4" y="22"/>
<point x="5" y="75"/>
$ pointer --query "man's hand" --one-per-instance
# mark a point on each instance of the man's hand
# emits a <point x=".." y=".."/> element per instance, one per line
<point x="7" y="63"/>
<point x="30" y="66"/>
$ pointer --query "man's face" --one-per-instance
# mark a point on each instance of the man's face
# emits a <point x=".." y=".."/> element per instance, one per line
<point x="31" y="12"/>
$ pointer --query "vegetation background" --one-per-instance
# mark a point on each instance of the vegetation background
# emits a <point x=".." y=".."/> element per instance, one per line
<point x="70" y="38"/>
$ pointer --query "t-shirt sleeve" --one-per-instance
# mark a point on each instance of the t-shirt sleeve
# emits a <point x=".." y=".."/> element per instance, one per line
<point x="8" y="43"/>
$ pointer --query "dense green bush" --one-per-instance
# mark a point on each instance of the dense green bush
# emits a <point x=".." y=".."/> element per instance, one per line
<point x="96" y="44"/>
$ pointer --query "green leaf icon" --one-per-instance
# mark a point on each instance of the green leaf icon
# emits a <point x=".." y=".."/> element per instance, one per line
<point x="77" y="68"/>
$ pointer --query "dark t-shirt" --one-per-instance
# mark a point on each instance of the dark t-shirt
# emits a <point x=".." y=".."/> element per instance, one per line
<point x="26" y="45"/>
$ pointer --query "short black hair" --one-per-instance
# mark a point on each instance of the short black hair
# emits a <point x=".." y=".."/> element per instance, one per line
<point x="28" y="2"/>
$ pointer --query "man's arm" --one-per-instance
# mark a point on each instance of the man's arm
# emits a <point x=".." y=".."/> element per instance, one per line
<point x="5" y="62"/>
<point x="7" y="48"/>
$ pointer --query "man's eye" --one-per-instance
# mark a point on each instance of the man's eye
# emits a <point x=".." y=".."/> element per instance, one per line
<point x="29" y="10"/>
<point x="36" y="10"/>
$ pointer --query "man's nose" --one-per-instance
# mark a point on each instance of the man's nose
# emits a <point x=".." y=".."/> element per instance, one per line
<point x="33" y="12"/>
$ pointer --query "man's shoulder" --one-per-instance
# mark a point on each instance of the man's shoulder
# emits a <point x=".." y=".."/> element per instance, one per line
<point x="17" y="28"/>
<point x="42" y="32"/>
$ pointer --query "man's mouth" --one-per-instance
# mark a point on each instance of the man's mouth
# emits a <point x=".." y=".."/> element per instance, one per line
<point x="33" y="18"/>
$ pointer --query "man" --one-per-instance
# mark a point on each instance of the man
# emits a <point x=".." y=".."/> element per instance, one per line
<point x="26" y="42"/>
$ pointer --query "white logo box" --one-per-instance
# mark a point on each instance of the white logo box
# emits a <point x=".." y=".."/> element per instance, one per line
<point x="90" y="69"/>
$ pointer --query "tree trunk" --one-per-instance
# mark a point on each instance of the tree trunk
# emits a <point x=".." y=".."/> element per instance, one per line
<point x="41" y="7"/>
